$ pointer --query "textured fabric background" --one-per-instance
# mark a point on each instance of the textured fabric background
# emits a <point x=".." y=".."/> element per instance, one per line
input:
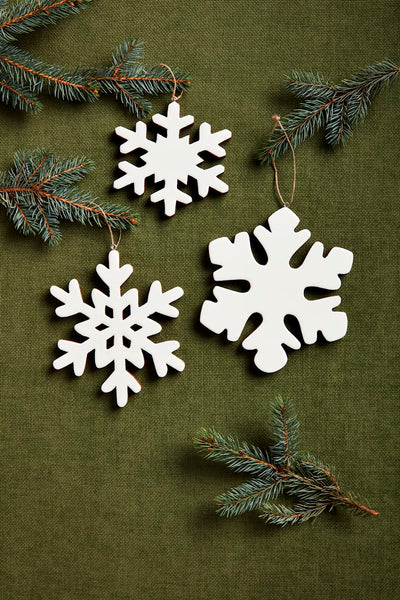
<point x="106" y="504"/>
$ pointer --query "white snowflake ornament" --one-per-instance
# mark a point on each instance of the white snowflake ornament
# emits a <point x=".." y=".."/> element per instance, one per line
<point x="172" y="159"/>
<point x="276" y="290"/>
<point x="117" y="328"/>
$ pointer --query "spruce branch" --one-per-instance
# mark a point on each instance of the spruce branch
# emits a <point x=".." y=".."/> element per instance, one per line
<point x="338" y="108"/>
<point x="276" y="471"/>
<point x="24" y="69"/>
<point x="130" y="82"/>
<point x="38" y="192"/>
<point x="23" y="77"/>
<point x="285" y="426"/>
<point x="22" y="16"/>
<point x="18" y="95"/>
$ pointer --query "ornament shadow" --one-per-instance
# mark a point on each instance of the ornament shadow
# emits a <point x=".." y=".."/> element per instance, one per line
<point x="204" y="519"/>
<point x="202" y="475"/>
<point x="14" y="239"/>
<point x="279" y="97"/>
<point x="16" y="119"/>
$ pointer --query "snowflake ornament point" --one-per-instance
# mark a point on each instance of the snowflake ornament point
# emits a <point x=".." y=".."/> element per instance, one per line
<point x="276" y="290"/>
<point x="172" y="159"/>
<point x="117" y="328"/>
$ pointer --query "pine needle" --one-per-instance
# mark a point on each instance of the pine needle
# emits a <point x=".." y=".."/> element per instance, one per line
<point x="276" y="471"/>
<point x="23" y="77"/>
<point x="338" y="108"/>
<point x="39" y="191"/>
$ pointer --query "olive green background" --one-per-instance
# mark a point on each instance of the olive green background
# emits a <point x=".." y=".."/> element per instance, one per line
<point x="113" y="504"/>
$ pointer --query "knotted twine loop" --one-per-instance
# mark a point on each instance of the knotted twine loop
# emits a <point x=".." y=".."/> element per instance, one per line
<point x="113" y="246"/>
<point x="277" y="120"/>
<point x="175" y="98"/>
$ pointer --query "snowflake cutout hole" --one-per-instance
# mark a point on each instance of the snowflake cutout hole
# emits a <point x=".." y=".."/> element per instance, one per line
<point x="172" y="159"/>
<point x="276" y="290"/>
<point x="117" y="328"/>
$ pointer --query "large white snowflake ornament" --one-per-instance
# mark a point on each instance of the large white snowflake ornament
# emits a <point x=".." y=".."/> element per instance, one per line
<point x="276" y="290"/>
<point x="117" y="328"/>
<point x="172" y="159"/>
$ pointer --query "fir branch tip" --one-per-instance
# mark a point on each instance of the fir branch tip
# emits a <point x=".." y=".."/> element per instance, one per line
<point x="39" y="191"/>
<point x="24" y="77"/>
<point x="336" y="107"/>
<point x="276" y="471"/>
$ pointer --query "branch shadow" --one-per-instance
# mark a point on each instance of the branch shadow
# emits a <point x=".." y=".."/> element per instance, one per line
<point x="205" y="518"/>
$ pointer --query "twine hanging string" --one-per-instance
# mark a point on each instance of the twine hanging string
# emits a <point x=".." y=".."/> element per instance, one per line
<point x="175" y="98"/>
<point x="113" y="246"/>
<point x="277" y="120"/>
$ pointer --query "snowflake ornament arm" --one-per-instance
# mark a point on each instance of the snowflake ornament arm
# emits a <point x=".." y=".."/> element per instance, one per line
<point x="117" y="328"/>
<point x="136" y="175"/>
<point x="160" y="302"/>
<point x="276" y="290"/>
<point x="75" y="353"/>
<point x="172" y="159"/>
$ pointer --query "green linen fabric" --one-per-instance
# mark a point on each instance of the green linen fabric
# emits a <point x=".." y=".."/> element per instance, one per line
<point x="100" y="503"/>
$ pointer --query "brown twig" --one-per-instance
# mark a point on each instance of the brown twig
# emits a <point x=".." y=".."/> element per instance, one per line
<point x="58" y="80"/>
<point x="38" y="191"/>
<point x="239" y="453"/>
<point x="14" y="91"/>
<point x="38" y="11"/>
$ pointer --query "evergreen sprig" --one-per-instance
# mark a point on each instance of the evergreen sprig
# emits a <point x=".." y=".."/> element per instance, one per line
<point x="23" y="77"/>
<point x="39" y="191"/>
<point x="336" y="107"/>
<point x="279" y="470"/>
<point x="131" y="82"/>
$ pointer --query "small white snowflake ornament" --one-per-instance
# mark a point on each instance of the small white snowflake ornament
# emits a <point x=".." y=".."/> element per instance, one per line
<point x="117" y="328"/>
<point x="276" y="290"/>
<point x="172" y="159"/>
